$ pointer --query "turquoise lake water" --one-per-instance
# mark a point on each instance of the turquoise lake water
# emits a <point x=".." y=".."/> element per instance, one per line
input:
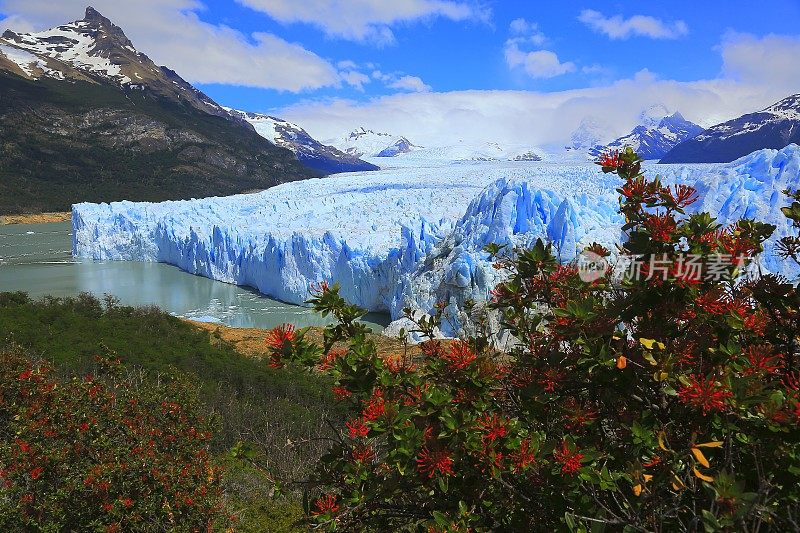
<point x="37" y="259"/>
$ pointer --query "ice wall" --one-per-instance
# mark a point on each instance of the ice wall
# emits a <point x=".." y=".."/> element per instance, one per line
<point x="411" y="237"/>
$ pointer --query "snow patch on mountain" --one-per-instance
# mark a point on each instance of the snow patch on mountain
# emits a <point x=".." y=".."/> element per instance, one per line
<point x="773" y="127"/>
<point x="362" y="142"/>
<point x="308" y="150"/>
<point x="654" y="137"/>
<point x="32" y="65"/>
<point x="75" y="44"/>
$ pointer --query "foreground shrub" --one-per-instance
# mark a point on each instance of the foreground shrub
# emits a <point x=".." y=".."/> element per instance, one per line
<point x="663" y="399"/>
<point x="109" y="452"/>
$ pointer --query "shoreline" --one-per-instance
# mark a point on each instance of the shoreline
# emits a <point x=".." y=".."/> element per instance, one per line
<point x="251" y="342"/>
<point x="40" y="218"/>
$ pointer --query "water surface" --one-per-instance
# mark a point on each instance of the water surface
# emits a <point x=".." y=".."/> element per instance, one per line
<point x="37" y="259"/>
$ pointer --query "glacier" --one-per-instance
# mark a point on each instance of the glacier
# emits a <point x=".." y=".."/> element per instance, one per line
<point x="412" y="236"/>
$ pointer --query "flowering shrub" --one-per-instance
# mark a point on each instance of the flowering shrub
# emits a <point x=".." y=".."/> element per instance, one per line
<point x="102" y="453"/>
<point x="650" y="401"/>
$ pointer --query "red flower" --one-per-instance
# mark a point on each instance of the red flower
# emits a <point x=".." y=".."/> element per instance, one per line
<point x="577" y="416"/>
<point x="107" y="507"/>
<point x="23" y="446"/>
<point x="327" y="360"/>
<point x="610" y="160"/>
<point x="375" y="407"/>
<point x="550" y="379"/>
<point x="660" y="227"/>
<point x="363" y="454"/>
<point x="26" y="375"/>
<point x="357" y="428"/>
<point x="705" y="394"/>
<point x="762" y="360"/>
<point x="279" y="336"/>
<point x="324" y="505"/>
<point x="429" y="463"/>
<point x="636" y="188"/>
<point x="684" y="195"/>
<point x="459" y="356"/>
<point x="431" y="348"/>
<point x="127" y="502"/>
<point x="37" y="472"/>
<point x="652" y="462"/>
<point x="493" y="427"/>
<point x="398" y="363"/>
<point x="318" y="289"/>
<point x="756" y="323"/>
<point x="523" y="457"/>
<point x="83" y="427"/>
<point x="570" y="460"/>
<point x="563" y="273"/>
<point x="341" y="393"/>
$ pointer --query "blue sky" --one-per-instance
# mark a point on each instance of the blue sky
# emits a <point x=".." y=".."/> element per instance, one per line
<point x="461" y="55"/>
<point x="434" y="68"/>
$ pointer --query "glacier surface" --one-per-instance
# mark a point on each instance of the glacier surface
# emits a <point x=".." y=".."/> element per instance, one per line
<point x="411" y="236"/>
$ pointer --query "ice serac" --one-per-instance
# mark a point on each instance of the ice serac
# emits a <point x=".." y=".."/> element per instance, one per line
<point x="413" y="237"/>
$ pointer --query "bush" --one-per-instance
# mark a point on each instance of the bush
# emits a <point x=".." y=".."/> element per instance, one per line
<point x="108" y="452"/>
<point x="665" y="399"/>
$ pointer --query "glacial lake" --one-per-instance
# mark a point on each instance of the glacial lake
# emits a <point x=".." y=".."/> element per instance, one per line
<point x="37" y="259"/>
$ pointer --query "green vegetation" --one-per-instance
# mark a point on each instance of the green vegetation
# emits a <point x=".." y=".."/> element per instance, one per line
<point x="70" y="142"/>
<point x="282" y="415"/>
<point x="661" y="400"/>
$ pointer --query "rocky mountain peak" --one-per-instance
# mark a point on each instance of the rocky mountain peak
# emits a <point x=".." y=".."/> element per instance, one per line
<point x="93" y="14"/>
<point x="107" y="30"/>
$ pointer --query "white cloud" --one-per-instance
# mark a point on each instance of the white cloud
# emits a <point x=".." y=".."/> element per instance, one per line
<point x="756" y="74"/>
<point x="538" y="64"/>
<point x="618" y="27"/>
<point x="347" y="65"/>
<point x="171" y="33"/>
<point x="401" y="81"/>
<point x="524" y="31"/>
<point x="365" y="20"/>
<point x="772" y="59"/>
<point x="410" y="83"/>
<point x="355" y="79"/>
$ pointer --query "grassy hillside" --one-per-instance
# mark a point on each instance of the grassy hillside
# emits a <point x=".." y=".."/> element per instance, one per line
<point x="65" y="142"/>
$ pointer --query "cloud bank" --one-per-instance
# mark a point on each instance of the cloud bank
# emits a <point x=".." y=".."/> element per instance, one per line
<point x="756" y="72"/>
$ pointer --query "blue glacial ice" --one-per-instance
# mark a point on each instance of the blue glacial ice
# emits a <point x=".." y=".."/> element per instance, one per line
<point x="411" y="236"/>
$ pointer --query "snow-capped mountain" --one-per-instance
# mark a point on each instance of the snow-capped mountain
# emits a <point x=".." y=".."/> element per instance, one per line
<point x="95" y="50"/>
<point x="775" y="127"/>
<point x="89" y="118"/>
<point x="589" y="135"/>
<point x="653" y="138"/>
<point x="401" y="146"/>
<point x="362" y="142"/>
<point x="308" y="150"/>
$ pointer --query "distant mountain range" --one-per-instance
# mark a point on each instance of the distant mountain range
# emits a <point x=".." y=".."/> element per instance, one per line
<point x="309" y="151"/>
<point x="775" y="127"/>
<point x="86" y="117"/>
<point x="653" y="140"/>
<point x="362" y="142"/>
